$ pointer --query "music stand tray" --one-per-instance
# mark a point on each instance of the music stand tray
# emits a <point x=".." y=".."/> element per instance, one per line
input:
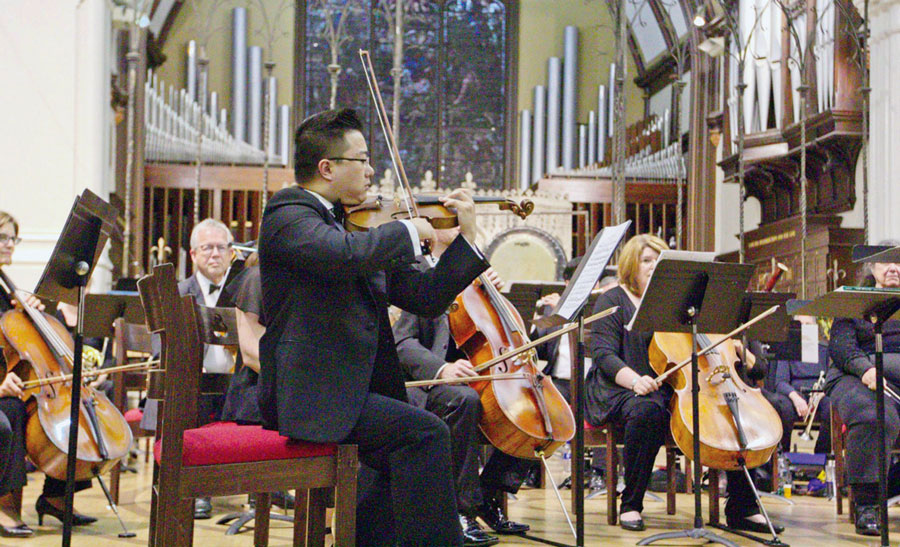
<point x="682" y="296"/>
<point x="877" y="306"/>
<point x="101" y="311"/>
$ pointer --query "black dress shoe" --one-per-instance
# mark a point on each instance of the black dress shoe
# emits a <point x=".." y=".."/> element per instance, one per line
<point x="44" y="507"/>
<point x="285" y="500"/>
<point x="20" y="531"/>
<point x="633" y="525"/>
<point x="743" y="523"/>
<point x="202" y="509"/>
<point x="474" y="535"/>
<point x="867" y="520"/>
<point x="491" y="512"/>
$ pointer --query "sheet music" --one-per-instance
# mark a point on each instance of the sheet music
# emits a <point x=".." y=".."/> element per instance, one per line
<point x="589" y="271"/>
<point x="691" y="256"/>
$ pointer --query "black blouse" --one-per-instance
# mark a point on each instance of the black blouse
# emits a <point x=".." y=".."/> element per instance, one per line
<point x="241" y="403"/>
<point x="852" y="344"/>
<point x="612" y="349"/>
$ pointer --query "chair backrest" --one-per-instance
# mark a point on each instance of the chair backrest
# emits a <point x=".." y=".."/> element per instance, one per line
<point x="174" y="318"/>
<point x="130" y="337"/>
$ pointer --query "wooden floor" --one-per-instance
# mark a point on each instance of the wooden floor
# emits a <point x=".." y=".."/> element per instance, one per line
<point x="811" y="521"/>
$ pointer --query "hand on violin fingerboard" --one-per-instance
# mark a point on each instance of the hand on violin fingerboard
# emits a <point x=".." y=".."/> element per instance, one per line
<point x="461" y="200"/>
<point x="494" y="278"/>
<point x="34" y="302"/>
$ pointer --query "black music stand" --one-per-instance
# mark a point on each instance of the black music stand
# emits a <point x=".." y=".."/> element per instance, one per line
<point x="877" y="306"/>
<point x="675" y="300"/>
<point x="570" y="308"/>
<point x="84" y="235"/>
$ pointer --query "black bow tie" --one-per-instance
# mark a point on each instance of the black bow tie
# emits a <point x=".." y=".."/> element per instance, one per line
<point x="213" y="288"/>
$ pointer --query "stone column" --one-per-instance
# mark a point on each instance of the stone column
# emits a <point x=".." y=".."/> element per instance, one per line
<point x="884" y="142"/>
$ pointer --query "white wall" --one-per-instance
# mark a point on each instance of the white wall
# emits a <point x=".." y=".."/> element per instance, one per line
<point x="55" y="115"/>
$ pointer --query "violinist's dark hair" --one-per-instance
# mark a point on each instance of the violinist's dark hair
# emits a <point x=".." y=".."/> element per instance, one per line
<point x="865" y="277"/>
<point x="318" y="137"/>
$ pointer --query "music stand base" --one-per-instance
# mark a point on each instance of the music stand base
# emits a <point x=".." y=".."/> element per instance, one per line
<point x="693" y="533"/>
<point x="775" y="542"/>
<point x="246" y="516"/>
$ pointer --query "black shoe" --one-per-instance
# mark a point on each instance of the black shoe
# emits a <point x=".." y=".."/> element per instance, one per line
<point x="491" y="512"/>
<point x="285" y="500"/>
<point x="44" y="507"/>
<point x="202" y="509"/>
<point x="633" y="525"/>
<point x="533" y="477"/>
<point x="742" y="523"/>
<point x="474" y="535"/>
<point x="867" y="520"/>
<point x="20" y="531"/>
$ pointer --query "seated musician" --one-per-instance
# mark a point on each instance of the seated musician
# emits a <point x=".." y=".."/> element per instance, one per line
<point x="427" y="351"/>
<point x="13" y="418"/>
<point x="850" y="383"/>
<point x="794" y="380"/>
<point x="328" y="364"/>
<point x="620" y="388"/>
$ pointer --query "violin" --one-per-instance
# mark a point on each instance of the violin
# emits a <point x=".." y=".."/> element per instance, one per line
<point x="737" y="424"/>
<point x="39" y="349"/>
<point x="376" y="211"/>
<point x="525" y="416"/>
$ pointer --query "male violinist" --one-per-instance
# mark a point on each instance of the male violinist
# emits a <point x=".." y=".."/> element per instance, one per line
<point x="329" y="370"/>
<point x="427" y="351"/>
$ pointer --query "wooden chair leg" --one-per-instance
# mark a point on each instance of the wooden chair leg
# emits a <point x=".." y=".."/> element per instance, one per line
<point x="688" y="476"/>
<point x="114" y="476"/>
<point x="147" y="448"/>
<point x="776" y="472"/>
<point x="345" y="496"/>
<point x="178" y="531"/>
<point x="261" y="519"/>
<point x="612" y="478"/>
<point x="301" y="512"/>
<point x="154" y="507"/>
<point x="837" y="447"/>
<point x="713" y="496"/>
<point x="318" y="500"/>
<point x="671" y="482"/>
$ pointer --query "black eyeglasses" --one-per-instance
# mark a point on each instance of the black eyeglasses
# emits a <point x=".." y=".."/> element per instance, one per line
<point x="361" y="160"/>
<point x="6" y="238"/>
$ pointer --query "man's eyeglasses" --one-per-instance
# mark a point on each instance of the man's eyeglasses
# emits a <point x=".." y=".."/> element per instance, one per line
<point x="6" y="238"/>
<point x="208" y="248"/>
<point x="361" y="160"/>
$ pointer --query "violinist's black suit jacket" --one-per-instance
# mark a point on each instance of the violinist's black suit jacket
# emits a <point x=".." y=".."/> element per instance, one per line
<point x="328" y="340"/>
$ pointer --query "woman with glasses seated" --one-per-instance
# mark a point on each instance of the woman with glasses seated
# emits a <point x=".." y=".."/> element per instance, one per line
<point x="12" y="427"/>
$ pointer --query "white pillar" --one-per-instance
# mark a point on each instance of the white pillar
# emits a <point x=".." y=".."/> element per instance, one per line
<point x="884" y="141"/>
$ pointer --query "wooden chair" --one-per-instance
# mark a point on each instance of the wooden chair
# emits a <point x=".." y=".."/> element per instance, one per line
<point x="223" y="459"/>
<point x="129" y="339"/>
<point x="609" y="436"/>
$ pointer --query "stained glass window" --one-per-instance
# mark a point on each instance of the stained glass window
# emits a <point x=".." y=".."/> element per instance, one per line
<point x="454" y="95"/>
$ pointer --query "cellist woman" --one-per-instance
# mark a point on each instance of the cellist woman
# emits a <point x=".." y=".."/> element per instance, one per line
<point x="621" y="388"/>
<point x="12" y="427"/>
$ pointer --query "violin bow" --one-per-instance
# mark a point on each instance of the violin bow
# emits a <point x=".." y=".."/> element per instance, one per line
<point x="662" y="377"/>
<point x="385" y="123"/>
<point x="466" y="379"/>
<point x="534" y="343"/>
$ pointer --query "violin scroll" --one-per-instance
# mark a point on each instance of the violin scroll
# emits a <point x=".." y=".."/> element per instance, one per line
<point x="521" y="209"/>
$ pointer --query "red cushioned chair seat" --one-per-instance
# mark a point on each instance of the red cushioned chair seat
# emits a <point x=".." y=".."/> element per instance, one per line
<point x="589" y="427"/>
<point x="134" y="415"/>
<point x="228" y="442"/>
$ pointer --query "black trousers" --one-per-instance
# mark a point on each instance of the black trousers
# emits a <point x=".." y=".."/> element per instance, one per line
<point x="645" y="424"/>
<point x="856" y="405"/>
<point x="12" y="452"/>
<point x="12" y="445"/>
<point x="460" y="408"/>
<point x="410" y="501"/>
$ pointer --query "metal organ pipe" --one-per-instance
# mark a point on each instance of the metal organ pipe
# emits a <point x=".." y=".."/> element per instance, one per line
<point x="592" y="138"/>
<point x="524" y="149"/>
<point x="582" y="145"/>
<point x="284" y="133"/>
<point x="238" y="72"/>
<point x="601" y="123"/>
<point x="570" y="94"/>
<point x="273" y="120"/>
<point x="191" y="68"/>
<point x="538" y="143"/>
<point x="554" y="88"/>
<point x="254" y="96"/>
<point x="611" y="101"/>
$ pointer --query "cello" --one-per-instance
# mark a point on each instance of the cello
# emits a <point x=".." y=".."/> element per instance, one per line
<point x="525" y="417"/>
<point x="39" y="349"/>
<point x="736" y="422"/>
